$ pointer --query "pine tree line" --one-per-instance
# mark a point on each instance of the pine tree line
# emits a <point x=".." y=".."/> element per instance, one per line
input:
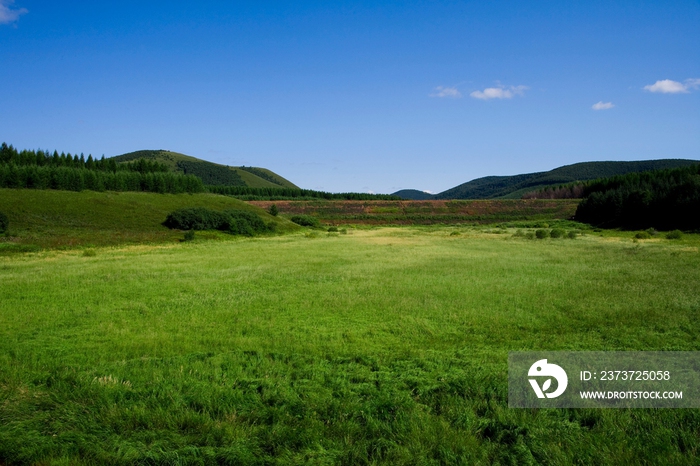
<point x="78" y="179"/>
<point x="41" y="158"/>
<point x="44" y="170"/>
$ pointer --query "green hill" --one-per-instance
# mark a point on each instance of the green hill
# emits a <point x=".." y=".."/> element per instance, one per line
<point x="51" y="218"/>
<point x="211" y="173"/>
<point x="513" y="187"/>
<point x="413" y="195"/>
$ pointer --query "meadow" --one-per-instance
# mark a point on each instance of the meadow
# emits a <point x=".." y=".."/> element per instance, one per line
<point x="378" y="346"/>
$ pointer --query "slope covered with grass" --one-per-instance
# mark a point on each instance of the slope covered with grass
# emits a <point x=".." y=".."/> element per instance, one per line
<point x="65" y="218"/>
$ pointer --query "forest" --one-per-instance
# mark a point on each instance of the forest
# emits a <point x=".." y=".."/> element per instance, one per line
<point x="662" y="199"/>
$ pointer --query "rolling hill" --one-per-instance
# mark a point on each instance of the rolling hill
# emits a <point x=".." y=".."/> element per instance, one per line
<point x="211" y="173"/>
<point x="413" y="195"/>
<point x="513" y="187"/>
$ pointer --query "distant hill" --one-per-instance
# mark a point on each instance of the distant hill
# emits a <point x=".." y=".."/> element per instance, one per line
<point x="211" y="173"/>
<point x="513" y="187"/>
<point x="412" y="194"/>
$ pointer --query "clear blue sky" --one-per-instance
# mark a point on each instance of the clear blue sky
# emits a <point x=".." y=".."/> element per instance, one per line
<point x="356" y="96"/>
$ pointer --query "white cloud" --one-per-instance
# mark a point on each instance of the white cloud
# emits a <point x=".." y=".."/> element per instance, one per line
<point x="500" y="92"/>
<point x="667" y="86"/>
<point x="7" y="14"/>
<point x="450" y="92"/>
<point x="602" y="105"/>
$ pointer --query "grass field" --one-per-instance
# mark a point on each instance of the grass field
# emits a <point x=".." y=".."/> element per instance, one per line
<point x="379" y="346"/>
<point x="67" y="219"/>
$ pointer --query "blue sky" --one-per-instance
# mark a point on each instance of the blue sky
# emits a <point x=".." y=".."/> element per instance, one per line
<point x="356" y="96"/>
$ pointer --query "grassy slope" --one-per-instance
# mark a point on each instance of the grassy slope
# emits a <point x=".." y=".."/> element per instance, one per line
<point x="171" y="158"/>
<point x="385" y="346"/>
<point x="49" y="218"/>
<point x="508" y="187"/>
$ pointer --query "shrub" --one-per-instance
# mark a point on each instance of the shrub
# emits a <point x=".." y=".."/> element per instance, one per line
<point x="189" y="235"/>
<point x="557" y="233"/>
<point x="652" y="232"/>
<point x="332" y="229"/>
<point x="89" y="253"/>
<point x="4" y="223"/>
<point x="530" y="235"/>
<point x="240" y="222"/>
<point x="642" y="235"/>
<point x="273" y="210"/>
<point x="343" y="231"/>
<point x="572" y="234"/>
<point x="542" y="233"/>
<point x="195" y="218"/>
<point x="236" y="222"/>
<point x="305" y="220"/>
<point x="675" y="234"/>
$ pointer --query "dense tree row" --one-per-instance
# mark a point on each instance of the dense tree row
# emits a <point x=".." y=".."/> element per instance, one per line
<point x="41" y="158"/>
<point x="568" y="191"/>
<point x="294" y="193"/>
<point x="78" y="179"/>
<point x="663" y="199"/>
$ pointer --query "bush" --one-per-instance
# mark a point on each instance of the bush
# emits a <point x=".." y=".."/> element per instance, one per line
<point x="195" y="218"/>
<point x="273" y="210"/>
<point x="557" y="233"/>
<point x="542" y="234"/>
<point x="189" y="235"/>
<point x="642" y="235"/>
<point x="652" y="232"/>
<point x="305" y="220"/>
<point x="572" y="234"/>
<point x="332" y="229"/>
<point x="675" y="234"/>
<point x="4" y="223"/>
<point x="530" y="235"/>
<point x="236" y="222"/>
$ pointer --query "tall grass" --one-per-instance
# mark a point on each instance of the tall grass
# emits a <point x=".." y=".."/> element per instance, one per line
<point x="384" y="346"/>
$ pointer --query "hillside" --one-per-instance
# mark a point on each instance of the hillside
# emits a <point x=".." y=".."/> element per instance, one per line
<point x="513" y="187"/>
<point x="211" y="173"/>
<point x="49" y="218"/>
<point x="413" y="195"/>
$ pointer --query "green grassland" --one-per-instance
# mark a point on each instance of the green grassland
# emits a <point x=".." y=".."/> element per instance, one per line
<point x="211" y="173"/>
<point x="51" y="219"/>
<point x="379" y="346"/>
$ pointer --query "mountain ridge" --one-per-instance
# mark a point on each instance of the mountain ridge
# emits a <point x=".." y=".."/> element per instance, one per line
<point x="514" y="186"/>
